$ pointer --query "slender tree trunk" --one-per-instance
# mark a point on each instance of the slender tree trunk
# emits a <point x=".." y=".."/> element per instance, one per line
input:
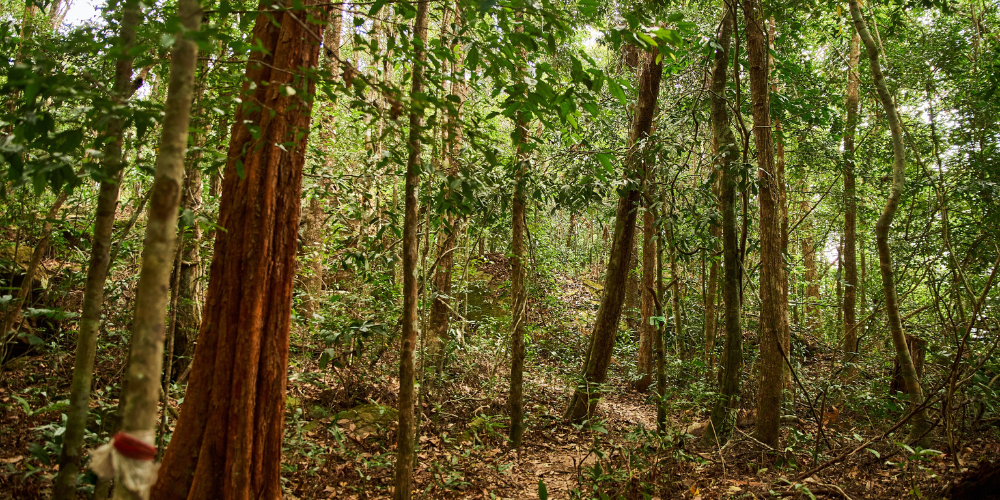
<point x="312" y="236"/>
<point x="884" y="224"/>
<point x="850" y="212"/>
<point x="519" y="294"/>
<point x="771" y="327"/>
<point x="14" y="307"/>
<point x="723" y="411"/>
<point x="64" y="485"/>
<point x="227" y="442"/>
<point x="142" y="390"/>
<point x="632" y="285"/>
<point x="647" y="331"/>
<point x="602" y="340"/>
<point x="661" y="362"/>
<point x="779" y="151"/>
<point x="188" y="317"/>
<point x="405" y="439"/>
<point x="712" y="288"/>
<point x="440" y="314"/>
<point x="680" y="342"/>
<point x="813" y="313"/>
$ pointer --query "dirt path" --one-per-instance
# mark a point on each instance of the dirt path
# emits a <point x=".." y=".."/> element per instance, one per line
<point x="557" y="453"/>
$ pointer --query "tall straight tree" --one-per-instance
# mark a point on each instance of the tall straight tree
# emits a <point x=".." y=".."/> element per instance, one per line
<point x="406" y="437"/>
<point x="779" y="150"/>
<point x="851" y="211"/>
<point x="602" y="340"/>
<point x="64" y="486"/>
<point x="771" y="328"/>
<point x="440" y="314"/>
<point x="722" y="416"/>
<point x="227" y="443"/>
<point x="647" y="331"/>
<point x="910" y="378"/>
<point x="519" y="292"/>
<point x="141" y="391"/>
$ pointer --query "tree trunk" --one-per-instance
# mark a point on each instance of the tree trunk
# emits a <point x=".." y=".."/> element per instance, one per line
<point x="519" y="294"/>
<point x="312" y="236"/>
<point x="405" y="439"/>
<point x="64" y="485"/>
<point x="13" y="310"/>
<point x="440" y="314"/>
<point x="779" y="146"/>
<point x="680" y="342"/>
<point x="884" y="224"/>
<point x="602" y="340"/>
<point x="647" y="331"/>
<point x="188" y="318"/>
<point x="813" y="313"/>
<point x="850" y="212"/>
<point x="723" y="411"/>
<point x="712" y="289"/>
<point x="141" y="391"/>
<point x="632" y="286"/>
<point x="661" y="362"/>
<point x="227" y="442"/>
<point x="771" y="327"/>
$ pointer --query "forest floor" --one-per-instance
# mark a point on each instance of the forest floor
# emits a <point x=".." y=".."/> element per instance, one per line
<point x="341" y="431"/>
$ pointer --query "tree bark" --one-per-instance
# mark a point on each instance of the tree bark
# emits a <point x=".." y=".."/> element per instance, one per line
<point x="771" y="327"/>
<point x="602" y="340"/>
<point x="813" y="313"/>
<point x="779" y="151"/>
<point x="188" y="318"/>
<point x="647" y="331"/>
<point x="712" y="288"/>
<point x="884" y="224"/>
<point x="64" y="485"/>
<point x="141" y="391"/>
<point x="312" y="236"/>
<point x="723" y="411"/>
<point x="227" y="442"/>
<point x="440" y="315"/>
<point x="405" y="439"/>
<point x="680" y="342"/>
<point x="519" y="295"/>
<point x="850" y="212"/>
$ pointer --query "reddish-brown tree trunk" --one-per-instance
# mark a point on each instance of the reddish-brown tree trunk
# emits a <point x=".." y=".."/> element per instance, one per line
<point x="227" y="443"/>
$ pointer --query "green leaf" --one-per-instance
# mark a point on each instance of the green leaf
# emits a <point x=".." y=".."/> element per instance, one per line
<point x="605" y="159"/>
<point x="617" y="91"/>
<point x="873" y="452"/>
<point x="543" y="492"/>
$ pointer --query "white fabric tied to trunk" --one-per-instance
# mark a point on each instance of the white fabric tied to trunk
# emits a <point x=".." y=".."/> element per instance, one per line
<point x="128" y="459"/>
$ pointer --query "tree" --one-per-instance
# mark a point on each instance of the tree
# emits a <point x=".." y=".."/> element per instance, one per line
<point x="406" y="436"/>
<point x="724" y="141"/>
<point x="233" y="413"/>
<point x="141" y="391"/>
<point x="602" y="339"/>
<point x="647" y="330"/>
<point x="64" y="486"/>
<point x="851" y="211"/>
<point x="884" y="224"/>
<point x="771" y="328"/>
<point x="441" y="309"/>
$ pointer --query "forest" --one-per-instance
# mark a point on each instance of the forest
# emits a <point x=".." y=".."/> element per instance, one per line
<point x="499" y="249"/>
